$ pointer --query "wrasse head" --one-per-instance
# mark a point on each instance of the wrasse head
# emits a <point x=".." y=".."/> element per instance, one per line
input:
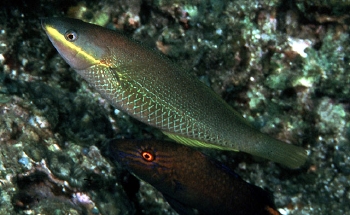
<point x="76" y="41"/>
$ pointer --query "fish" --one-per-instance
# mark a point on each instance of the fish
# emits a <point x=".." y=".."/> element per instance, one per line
<point x="191" y="182"/>
<point x="158" y="92"/>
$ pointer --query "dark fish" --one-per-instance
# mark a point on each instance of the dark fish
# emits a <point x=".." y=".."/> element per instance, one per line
<point x="149" y="87"/>
<point x="189" y="179"/>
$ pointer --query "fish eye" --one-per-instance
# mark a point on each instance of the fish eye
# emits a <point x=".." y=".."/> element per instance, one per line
<point x="71" y="35"/>
<point x="147" y="156"/>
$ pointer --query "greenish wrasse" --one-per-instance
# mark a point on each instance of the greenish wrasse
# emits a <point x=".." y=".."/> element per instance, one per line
<point x="149" y="87"/>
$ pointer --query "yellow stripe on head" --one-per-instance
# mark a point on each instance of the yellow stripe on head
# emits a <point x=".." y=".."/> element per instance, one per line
<point x="56" y="35"/>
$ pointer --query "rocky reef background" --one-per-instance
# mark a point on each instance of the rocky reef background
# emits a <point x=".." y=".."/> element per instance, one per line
<point x="282" y="64"/>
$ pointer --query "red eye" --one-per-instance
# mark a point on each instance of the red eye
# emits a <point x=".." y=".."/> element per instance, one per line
<point x="147" y="156"/>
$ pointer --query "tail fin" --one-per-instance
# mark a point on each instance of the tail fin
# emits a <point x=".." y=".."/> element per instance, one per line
<point x="262" y="146"/>
<point x="278" y="151"/>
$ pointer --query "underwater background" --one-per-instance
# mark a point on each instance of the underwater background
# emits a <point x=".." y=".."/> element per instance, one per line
<point x="282" y="64"/>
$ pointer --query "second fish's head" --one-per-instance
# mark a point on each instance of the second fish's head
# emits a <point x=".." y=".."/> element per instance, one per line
<point x="150" y="163"/>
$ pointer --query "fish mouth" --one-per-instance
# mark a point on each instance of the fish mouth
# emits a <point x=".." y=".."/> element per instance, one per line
<point x="43" y="22"/>
<point x="113" y="152"/>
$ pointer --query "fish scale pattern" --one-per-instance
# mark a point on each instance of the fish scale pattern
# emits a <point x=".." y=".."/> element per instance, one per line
<point x="123" y="92"/>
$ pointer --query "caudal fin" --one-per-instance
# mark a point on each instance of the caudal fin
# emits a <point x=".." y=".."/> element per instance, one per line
<point x="280" y="152"/>
<point x="260" y="145"/>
